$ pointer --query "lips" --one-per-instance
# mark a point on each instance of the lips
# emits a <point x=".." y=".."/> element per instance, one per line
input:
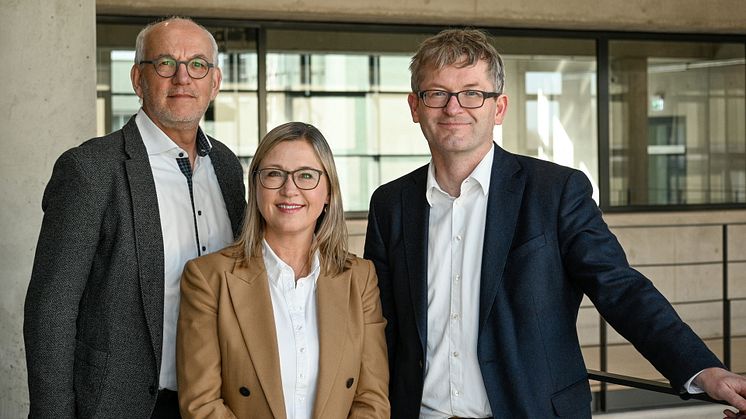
<point x="453" y="123"/>
<point x="289" y="207"/>
<point x="181" y="93"/>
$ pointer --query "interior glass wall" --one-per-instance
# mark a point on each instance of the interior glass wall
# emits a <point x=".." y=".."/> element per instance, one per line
<point x="353" y="86"/>
<point x="677" y="132"/>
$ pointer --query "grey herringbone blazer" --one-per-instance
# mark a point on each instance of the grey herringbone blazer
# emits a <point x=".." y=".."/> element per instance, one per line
<point x="94" y="308"/>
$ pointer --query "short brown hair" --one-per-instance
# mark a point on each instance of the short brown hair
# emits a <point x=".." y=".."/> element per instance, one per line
<point x="461" y="47"/>
<point x="331" y="229"/>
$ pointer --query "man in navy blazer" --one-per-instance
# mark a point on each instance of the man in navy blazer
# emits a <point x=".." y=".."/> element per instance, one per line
<point x="483" y="258"/>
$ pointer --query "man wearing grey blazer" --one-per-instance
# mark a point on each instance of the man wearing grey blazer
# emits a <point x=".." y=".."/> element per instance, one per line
<point x="122" y="215"/>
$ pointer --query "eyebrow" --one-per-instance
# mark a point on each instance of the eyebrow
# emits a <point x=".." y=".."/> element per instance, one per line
<point x="468" y="86"/>
<point x="287" y="170"/>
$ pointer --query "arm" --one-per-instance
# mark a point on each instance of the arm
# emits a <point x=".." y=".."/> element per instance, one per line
<point x="198" y="361"/>
<point x="595" y="261"/>
<point x="73" y="208"/>
<point x="371" y="397"/>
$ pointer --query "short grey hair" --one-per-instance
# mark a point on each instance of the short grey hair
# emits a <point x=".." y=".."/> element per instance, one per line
<point x="140" y="41"/>
<point x="461" y="47"/>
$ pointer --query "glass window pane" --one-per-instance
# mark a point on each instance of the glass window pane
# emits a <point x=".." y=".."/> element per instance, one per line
<point x="677" y="127"/>
<point x="239" y="71"/>
<point x="394" y="73"/>
<point x="551" y="87"/>
<point x="122" y="109"/>
<point x="397" y="133"/>
<point x="358" y="178"/>
<point x="337" y="72"/>
<point x="121" y="64"/>
<point x="235" y="121"/>
<point x="284" y="72"/>
<point x="342" y="119"/>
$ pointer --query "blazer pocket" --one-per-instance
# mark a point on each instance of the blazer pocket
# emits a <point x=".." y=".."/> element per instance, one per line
<point x="529" y="246"/>
<point x="88" y="377"/>
<point x="570" y="400"/>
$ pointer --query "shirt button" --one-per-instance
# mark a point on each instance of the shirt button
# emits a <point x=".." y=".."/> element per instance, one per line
<point x="457" y="277"/>
<point x="181" y="154"/>
<point x="199" y="212"/>
<point x="302" y="350"/>
<point x="454" y="316"/>
<point x="458" y="237"/>
<point x="204" y="248"/>
<point x="455" y="354"/>
<point x="456" y="393"/>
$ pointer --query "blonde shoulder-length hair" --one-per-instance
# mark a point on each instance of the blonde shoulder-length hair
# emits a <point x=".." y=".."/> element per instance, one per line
<point x="331" y="230"/>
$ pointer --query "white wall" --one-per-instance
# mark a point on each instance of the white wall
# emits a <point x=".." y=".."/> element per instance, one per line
<point x="47" y="104"/>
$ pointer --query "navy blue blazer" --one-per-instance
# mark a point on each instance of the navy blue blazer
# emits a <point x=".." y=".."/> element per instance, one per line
<point x="545" y="245"/>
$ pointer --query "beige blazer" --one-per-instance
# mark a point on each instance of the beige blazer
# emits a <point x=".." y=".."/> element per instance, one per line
<point x="226" y="347"/>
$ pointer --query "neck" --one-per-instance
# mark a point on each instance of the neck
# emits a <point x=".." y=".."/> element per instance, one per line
<point x="295" y="251"/>
<point x="183" y="135"/>
<point x="452" y="169"/>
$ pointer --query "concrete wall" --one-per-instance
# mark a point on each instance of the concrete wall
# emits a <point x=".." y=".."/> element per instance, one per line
<point x="47" y="105"/>
<point x="712" y="16"/>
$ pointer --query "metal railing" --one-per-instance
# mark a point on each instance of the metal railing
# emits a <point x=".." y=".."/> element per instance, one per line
<point x="642" y="384"/>
<point x="726" y="335"/>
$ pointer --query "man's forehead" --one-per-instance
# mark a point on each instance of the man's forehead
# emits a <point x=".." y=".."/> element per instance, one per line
<point x="179" y="34"/>
<point x="476" y="70"/>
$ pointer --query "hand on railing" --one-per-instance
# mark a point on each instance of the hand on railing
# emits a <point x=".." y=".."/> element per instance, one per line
<point x="721" y="384"/>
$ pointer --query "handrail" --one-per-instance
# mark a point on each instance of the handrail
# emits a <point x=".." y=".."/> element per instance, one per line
<point x="649" y="385"/>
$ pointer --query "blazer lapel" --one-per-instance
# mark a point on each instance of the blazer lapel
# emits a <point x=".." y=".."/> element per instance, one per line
<point x="415" y="215"/>
<point x="148" y="235"/>
<point x="248" y="287"/>
<point x="506" y="191"/>
<point x="332" y="301"/>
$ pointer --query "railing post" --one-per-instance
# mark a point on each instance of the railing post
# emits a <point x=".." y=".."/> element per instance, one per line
<point x="603" y="362"/>
<point x="726" y="303"/>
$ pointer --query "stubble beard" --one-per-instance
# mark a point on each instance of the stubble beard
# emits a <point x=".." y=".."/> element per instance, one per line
<point x="164" y="114"/>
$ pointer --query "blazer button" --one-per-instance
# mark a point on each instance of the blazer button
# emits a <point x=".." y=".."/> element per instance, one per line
<point x="152" y="390"/>
<point x="244" y="391"/>
<point x="349" y="382"/>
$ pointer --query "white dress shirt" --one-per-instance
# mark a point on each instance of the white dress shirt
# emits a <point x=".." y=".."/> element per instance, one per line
<point x="182" y="221"/>
<point x="453" y="381"/>
<point x="294" y="308"/>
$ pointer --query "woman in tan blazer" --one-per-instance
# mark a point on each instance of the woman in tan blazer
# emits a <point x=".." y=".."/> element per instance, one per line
<point x="285" y="323"/>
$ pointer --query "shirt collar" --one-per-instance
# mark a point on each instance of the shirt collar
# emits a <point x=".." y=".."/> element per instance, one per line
<point x="481" y="174"/>
<point x="276" y="266"/>
<point x="157" y="142"/>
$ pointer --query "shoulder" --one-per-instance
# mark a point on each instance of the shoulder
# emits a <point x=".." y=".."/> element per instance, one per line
<point x="97" y="149"/>
<point x="360" y="269"/>
<point x="542" y="174"/>
<point x="92" y="164"/>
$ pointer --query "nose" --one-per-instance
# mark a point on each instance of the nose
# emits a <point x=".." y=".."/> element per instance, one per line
<point x="289" y="188"/>
<point x="182" y="75"/>
<point x="453" y="107"/>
